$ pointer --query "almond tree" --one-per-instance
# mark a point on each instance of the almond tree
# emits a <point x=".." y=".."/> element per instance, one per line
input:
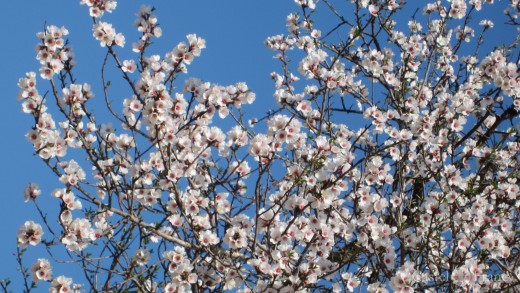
<point x="391" y="163"/>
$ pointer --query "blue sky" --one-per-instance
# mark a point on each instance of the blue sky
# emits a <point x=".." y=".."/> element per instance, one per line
<point x="234" y="31"/>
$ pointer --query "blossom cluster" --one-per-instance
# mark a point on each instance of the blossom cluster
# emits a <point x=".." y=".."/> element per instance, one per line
<point x="107" y="35"/>
<point x="54" y="55"/>
<point x="98" y="7"/>
<point x="146" y="23"/>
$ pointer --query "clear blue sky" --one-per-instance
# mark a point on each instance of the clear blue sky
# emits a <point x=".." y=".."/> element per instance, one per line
<point x="234" y="31"/>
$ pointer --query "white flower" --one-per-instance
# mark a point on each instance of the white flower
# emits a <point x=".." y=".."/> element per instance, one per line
<point x="141" y="257"/>
<point x="31" y="191"/>
<point x="42" y="270"/>
<point x="235" y="237"/>
<point x="30" y="233"/>
<point x="60" y="285"/>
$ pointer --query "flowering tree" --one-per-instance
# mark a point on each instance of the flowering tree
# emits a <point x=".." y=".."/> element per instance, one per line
<point x="392" y="162"/>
